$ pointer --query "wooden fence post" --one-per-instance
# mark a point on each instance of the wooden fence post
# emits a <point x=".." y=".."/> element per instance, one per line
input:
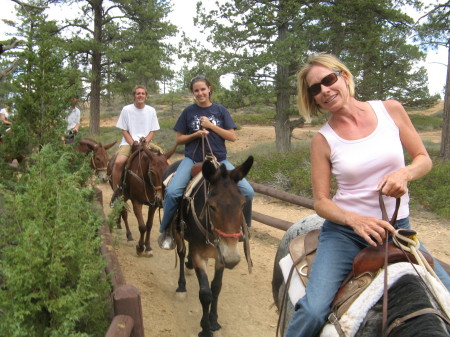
<point x="121" y="326"/>
<point x="127" y="301"/>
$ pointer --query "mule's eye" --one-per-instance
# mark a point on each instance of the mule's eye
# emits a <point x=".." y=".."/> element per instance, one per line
<point x="212" y="208"/>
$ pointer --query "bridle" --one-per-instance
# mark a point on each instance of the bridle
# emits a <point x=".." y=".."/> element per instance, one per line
<point x="97" y="169"/>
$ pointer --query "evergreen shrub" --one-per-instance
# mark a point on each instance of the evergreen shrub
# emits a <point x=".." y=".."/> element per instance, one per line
<point x="51" y="269"/>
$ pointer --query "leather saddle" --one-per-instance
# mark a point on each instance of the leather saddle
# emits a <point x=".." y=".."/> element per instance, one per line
<point x="366" y="265"/>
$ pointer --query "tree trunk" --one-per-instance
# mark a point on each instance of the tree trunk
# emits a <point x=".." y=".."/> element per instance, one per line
<point x="445" y="140"/>
<point x="94" y="120"/>
<point x="282" y="127"/>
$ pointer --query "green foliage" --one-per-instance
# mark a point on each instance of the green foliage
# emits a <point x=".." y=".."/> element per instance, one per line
<point x="285" y="171"/>
<point x="245" y="93"/>
<point x="43" y="88"/>
<point x="431" y="191"/>
<point x="435" y="28"/>
<point x="135" y="47"/>
<point x="426" y="123"/>
<point x="52" y="272"/>
<point x="255" y="117"/>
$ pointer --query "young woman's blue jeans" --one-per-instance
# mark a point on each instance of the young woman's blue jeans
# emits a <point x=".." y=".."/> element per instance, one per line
<point x="179" y="182"/>
<point x="338" y="245"/>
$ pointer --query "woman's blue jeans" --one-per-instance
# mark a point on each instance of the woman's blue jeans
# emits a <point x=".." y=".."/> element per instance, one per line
<point x="179" y="182"/>
<point x="338" y="245"/>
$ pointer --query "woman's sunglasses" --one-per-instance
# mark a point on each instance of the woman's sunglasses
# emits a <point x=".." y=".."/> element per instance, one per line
<point x="327" y="81"/>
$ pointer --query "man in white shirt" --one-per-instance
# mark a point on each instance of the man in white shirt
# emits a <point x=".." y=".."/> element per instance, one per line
<point x="73" y="120"/>
<point x="138" y="121"/>
<point x="5" y="113"/>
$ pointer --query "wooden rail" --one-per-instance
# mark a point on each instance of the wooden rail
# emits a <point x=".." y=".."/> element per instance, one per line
<point x="284" y="196"/>
<point x="127" y="308"/>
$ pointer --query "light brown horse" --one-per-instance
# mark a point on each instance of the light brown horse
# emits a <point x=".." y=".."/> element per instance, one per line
<point x="99" y="160"/>
<point x="212" y="222"/>
<point x="142" y="186"/>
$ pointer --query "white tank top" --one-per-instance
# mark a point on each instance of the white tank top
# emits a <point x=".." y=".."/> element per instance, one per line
<point x="359" y="165"/>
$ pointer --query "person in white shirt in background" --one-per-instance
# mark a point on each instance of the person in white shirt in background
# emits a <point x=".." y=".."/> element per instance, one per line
<point x="5" y="115"/>
<point x="73" y="120"/>
<point x="138" y="123"/>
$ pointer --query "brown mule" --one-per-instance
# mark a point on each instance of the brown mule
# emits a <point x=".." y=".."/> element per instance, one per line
<point x="99" y="160"/>
<point x="142" y="179"/>
<point x="212" y="222"/>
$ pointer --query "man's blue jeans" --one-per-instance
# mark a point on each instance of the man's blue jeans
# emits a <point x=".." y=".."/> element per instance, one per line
<point x="338" y="245"/>
<point x="179" y="182"/>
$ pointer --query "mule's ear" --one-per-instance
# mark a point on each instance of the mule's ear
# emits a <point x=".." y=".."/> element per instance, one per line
<point x="171" y="152"/>
<point x="110" y="145"/>
<point x="241" y="171"/>
<point x="208" y="170"/>
<point x="90" y="143"/>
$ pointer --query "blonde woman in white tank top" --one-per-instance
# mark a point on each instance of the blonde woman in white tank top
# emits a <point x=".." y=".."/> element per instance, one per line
<point x="361" y="145"/>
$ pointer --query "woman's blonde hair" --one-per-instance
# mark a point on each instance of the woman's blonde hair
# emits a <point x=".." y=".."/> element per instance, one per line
<point x="305" y="102"/>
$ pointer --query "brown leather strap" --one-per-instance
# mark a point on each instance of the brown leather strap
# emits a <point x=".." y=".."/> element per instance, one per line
<point x="399" y="321"/>
<point x="392" y="222"/>
<point x="332" y="318"/>
<point x="246" y="240"/>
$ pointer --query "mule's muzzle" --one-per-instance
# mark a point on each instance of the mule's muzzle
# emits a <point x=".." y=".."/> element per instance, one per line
<point x="228" y="253"/>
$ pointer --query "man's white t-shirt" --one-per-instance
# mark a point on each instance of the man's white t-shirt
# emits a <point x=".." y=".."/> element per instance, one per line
<point x="138" y="122"/>
<point x="73" y="118"/>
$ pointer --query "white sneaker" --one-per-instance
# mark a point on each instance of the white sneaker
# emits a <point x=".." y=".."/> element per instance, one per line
<point x="165" y="241"/>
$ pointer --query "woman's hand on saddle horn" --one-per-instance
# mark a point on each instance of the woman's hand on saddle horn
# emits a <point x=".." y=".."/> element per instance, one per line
<point x="372" y="230"/>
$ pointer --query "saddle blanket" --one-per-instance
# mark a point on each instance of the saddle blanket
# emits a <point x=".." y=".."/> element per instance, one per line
<point x="354" y="316"/>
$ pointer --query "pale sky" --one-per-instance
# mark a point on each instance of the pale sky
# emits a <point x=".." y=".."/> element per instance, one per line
<point x="184" y="11"/>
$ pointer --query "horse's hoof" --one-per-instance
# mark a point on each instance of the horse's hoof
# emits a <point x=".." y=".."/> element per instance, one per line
<point x="129" y="237"/>
<point x="205" y="334"/>
<point x="148" y="253"/>
<point x="119" y="226"/>
<point x="214" y="326"/>
<point x="139" y="250"/>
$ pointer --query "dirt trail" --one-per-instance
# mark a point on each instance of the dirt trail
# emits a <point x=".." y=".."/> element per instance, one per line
<point x="245" y="304"/>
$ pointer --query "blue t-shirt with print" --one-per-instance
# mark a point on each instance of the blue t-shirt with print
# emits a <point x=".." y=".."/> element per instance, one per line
<point x="189" y="122"/>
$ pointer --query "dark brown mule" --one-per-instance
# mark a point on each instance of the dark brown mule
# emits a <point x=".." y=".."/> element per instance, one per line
<point x="142" y="186"/>
<point x="99" y="160"/>
<point x="212" y="229"/>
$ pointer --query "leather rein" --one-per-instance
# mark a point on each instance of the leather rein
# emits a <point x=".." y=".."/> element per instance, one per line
<point x="156" y="199"/>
